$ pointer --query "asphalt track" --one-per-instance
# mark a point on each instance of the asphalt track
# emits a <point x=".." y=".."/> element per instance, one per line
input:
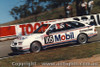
<point x="5" y="50"/>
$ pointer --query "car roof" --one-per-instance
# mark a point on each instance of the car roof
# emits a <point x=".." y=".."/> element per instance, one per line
<point x="60" y="21"/>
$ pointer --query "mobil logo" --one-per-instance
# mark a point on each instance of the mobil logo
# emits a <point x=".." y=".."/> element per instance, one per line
<point x="65" y="36"/>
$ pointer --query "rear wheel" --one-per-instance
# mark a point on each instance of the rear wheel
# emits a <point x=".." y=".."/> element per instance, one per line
<point x="35" y="47"/>
<point x="82" y="39"/>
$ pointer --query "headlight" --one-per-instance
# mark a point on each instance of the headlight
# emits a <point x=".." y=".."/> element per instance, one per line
<point x="21" y="38"/>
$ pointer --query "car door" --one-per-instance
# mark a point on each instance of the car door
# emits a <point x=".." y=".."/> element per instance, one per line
<point x="58" y="35"/>
<point x="74" y="27"/>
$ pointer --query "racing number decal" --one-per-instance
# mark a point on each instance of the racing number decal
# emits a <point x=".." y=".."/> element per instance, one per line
<point x="49" y="39"/>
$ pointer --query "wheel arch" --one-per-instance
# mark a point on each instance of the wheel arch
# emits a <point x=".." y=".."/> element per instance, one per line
<point x="38" y="42"/>
<point x="82" y="33"/>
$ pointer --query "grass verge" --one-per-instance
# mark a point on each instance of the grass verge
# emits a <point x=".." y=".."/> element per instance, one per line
<point x="55" y="54"/>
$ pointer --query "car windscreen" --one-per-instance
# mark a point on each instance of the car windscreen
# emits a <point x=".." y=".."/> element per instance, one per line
<point x="42" y="28"/>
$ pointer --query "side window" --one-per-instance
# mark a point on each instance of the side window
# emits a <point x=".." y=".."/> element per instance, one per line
<point x="52" y="29"/>
<point x="60" y="27"/>
<point x="76" y="24"/>
<point x="69" y="26"/>
<point x="57" y="27"/>
<point x="79" y="24"/>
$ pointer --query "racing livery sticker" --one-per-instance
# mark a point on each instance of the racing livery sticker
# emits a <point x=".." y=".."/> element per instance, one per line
<point x="86" y="30"/>
<point x="64" y="37"/>
<point x="49" y="39"/>
<point x="59" y="37"/>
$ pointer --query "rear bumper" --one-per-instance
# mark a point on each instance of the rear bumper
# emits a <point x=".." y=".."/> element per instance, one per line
<point x="92" y="35"/>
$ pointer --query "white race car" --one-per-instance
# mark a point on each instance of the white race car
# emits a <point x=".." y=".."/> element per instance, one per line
<point x="53" y="34"/>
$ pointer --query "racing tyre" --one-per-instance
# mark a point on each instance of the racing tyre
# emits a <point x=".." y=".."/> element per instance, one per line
<point x="82" y="39"/>
<point x="35" y="47"/>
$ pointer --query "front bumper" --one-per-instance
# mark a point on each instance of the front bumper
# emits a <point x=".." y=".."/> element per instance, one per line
<point x="16" y="46"/>
<point x="19" y="49"/>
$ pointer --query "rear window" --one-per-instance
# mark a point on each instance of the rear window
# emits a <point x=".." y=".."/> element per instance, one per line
<point x="76" y="24"/>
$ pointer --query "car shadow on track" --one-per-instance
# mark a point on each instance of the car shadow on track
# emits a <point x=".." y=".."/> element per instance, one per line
<point x="17" y="53"/>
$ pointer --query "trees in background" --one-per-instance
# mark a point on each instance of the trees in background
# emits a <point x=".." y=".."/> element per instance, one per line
<point x="31" y="7"/>
<point x="34" y="7"/>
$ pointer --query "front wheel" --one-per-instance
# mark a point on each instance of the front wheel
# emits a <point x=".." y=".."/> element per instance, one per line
<point x="35" y="47"/>
<point x="82" y="39"/>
